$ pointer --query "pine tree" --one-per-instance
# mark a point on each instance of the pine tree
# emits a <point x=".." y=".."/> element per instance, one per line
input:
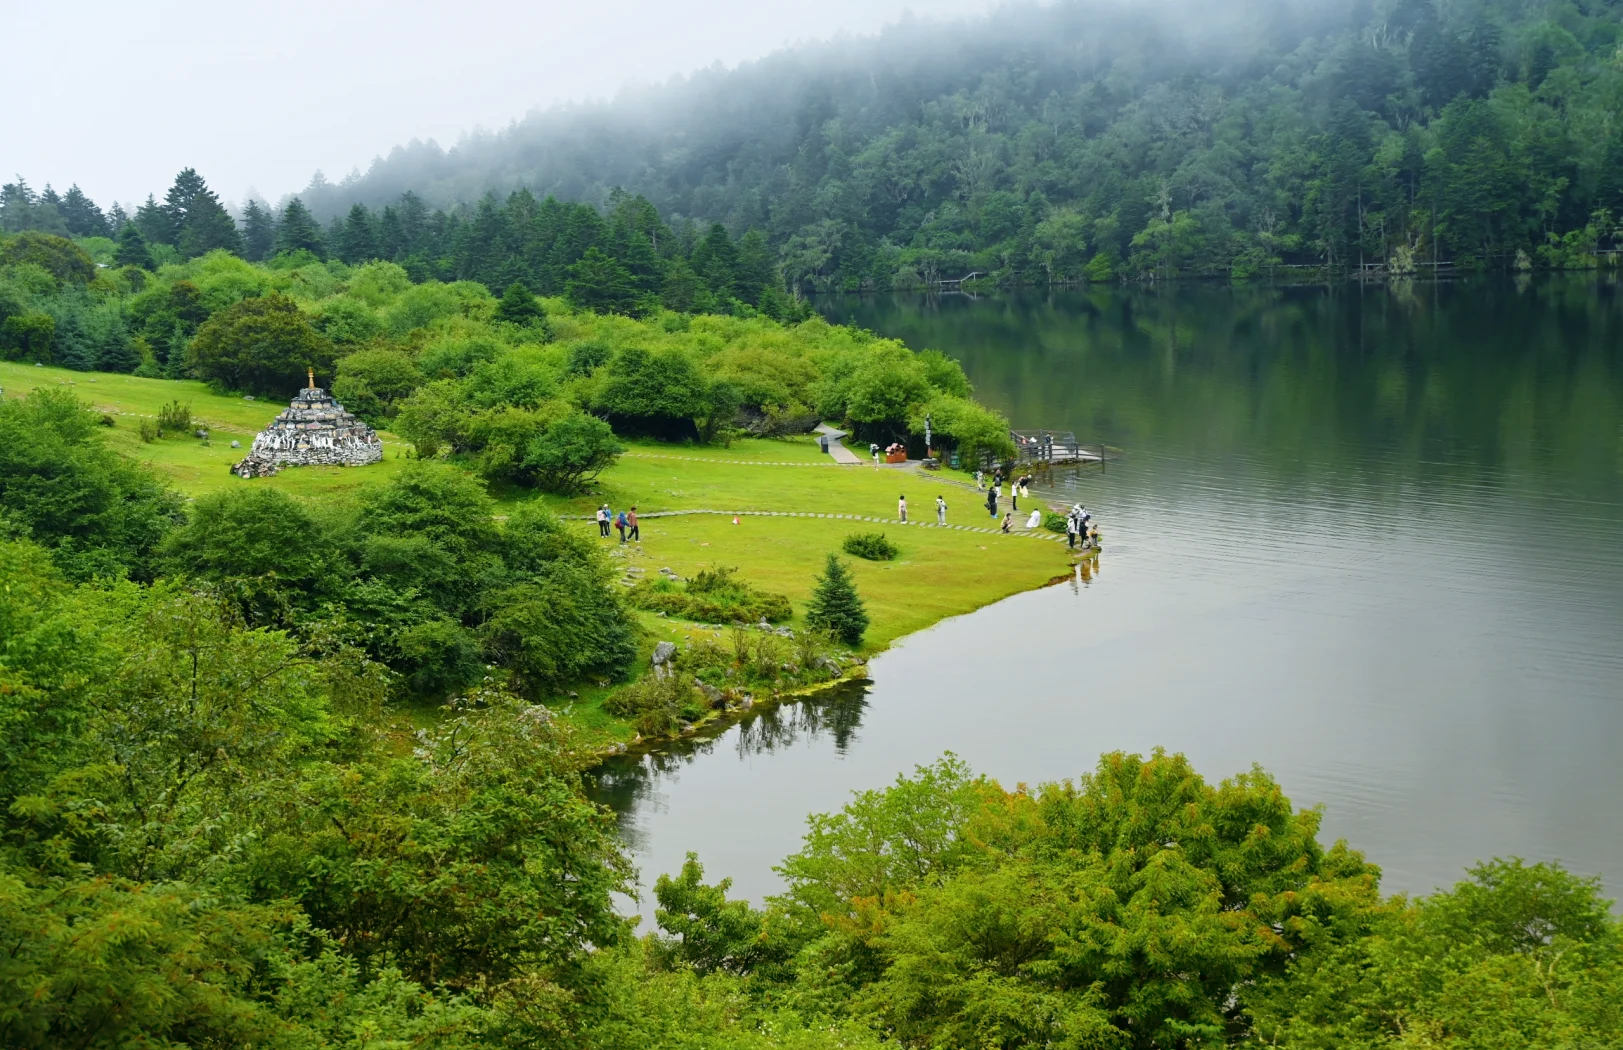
<point x="177" y="203"/>
<point x="16" y="206"/>
<point x="357" y="242"/>
<point x="132" y="248"/>
<point x="84" y="219"/>
<point x="299" y="231"/>
<point x="154" y="223"/>
<point x="836" y="606"/>
<point x="519" y="307"/>
<point x="258" y="232"/>
<point x="117" y="218"/>
<point x="208" y="226"/>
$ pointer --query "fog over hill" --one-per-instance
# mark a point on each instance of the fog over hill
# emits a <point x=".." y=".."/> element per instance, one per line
<point x="1045" y="139"/>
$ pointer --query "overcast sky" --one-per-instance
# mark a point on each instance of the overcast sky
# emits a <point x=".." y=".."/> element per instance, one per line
<point x="119" y="96"/>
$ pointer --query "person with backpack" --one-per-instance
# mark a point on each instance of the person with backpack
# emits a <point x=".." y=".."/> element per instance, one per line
<point x="991" y="502"/>
<point x="940" y="511"/>
<point x="603" y="516"/>
<point x="631" y="521"/>
<point x="620" y="523"/>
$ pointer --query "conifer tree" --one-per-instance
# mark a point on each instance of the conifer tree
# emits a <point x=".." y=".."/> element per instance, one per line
<point x="299" y="231"/>
<point x="84" y="219"/>
<point x="208" y="226"/>
<point x="117" y="218"/>
<point x="258" y="232"/>
<point x="154" y="223"/>
<point x="132" y="248"/>
<point x="519" y="307"/>
<point x="836" y="606"/>
<point x="357" y="242"/>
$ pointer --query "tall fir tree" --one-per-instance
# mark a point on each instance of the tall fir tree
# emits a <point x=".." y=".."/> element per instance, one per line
<point x="208" y="227"/>
<point x="17" y="202"/>
<point x="84" y="219"/>
<point x="357" y="243"/>
<point x="836" y="606"/>
<point x="117" y="217"/>
<point x="258" y="232"/>
<point x="299" y="231"/>
<point x="132" y="248"/>
<point x="154" y="223"/>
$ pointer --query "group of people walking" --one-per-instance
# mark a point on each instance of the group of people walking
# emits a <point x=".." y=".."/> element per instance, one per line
<point x="940" y="509"/>
<point x="625" y="521"/>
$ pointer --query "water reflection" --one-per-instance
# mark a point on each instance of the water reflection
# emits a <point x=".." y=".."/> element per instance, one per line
<point x="1364" y="536"/>
<point x="630" y="784"/>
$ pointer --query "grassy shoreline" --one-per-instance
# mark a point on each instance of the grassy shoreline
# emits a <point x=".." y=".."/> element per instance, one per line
<point x="800" y="506"/>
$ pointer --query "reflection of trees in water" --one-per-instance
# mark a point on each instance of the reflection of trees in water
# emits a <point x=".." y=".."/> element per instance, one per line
<point x="629" y="784"/>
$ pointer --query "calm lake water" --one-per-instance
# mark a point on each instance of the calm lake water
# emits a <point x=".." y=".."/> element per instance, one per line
<point x="1368" y="539"/>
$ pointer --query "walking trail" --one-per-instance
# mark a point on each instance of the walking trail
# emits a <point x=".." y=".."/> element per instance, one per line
<point x="836" y="445"/>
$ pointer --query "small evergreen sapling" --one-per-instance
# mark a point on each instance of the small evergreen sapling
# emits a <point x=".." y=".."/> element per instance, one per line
<point x="836" y="606"/>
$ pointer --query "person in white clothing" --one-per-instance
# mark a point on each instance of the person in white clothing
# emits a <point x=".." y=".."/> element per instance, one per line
<point x="1035" y="520"/>
<point x="901" y="507"/>
<point x="940" y="511"/>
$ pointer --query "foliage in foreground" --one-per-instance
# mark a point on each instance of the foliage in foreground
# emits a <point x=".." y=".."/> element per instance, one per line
<point x="205" y="839"/>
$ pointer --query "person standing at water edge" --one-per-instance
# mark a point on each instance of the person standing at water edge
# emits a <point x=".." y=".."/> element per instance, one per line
<point x="901" y="506"/>
<point x="1070" y="530"/>
<point x="940" y="511"/>
<point x="631" y="520"/>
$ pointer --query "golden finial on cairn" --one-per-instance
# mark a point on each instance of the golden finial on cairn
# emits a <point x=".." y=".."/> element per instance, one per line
<point x="312" y="374"/>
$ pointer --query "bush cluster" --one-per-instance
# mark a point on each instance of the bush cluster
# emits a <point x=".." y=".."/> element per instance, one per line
<point x="712" y="596"/>
<point x="872" y="546"/>
<point x="708" y="673"/>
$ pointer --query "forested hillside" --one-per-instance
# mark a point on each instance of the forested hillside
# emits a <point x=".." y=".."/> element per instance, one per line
<point x="1041" y="140"/>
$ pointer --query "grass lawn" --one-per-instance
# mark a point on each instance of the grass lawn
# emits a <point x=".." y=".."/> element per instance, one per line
<point x="941" y="572"/>
<point x="193" y="467"/>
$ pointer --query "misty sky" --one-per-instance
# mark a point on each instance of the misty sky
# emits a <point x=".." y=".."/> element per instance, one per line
<point x="119" y="96"/>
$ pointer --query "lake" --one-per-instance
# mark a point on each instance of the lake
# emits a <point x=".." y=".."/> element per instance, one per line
<point x="1367" y="538"/>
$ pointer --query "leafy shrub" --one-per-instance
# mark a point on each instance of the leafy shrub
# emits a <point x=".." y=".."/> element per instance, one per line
<point x="1054" y="522"/>
<point x="148" y="430"/>
<point x="657" y="705"/>
<point x="712" y="596"/>
<point x="175" y="417"/>
<point x="871" y="545"/>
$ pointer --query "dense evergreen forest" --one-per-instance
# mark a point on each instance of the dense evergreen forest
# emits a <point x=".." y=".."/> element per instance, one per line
<point x="1078" y="141"/>
<point x="1042" y="144"/>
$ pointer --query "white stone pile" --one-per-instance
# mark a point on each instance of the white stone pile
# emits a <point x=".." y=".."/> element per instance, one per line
<point x="314" y="430"/>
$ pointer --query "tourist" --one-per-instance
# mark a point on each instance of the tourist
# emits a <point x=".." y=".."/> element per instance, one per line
<point x="940" y="511"/>
<point x="1035" y="520"/>
<point x="631" y="521"/>
<point x="1014" y="494"/>
<point x="901" y="507"/>
<point x="980" y="482"/>
<point x="991" y="502"/>
<point x="620" y="523"/>
<point x="1071" y="527"/>
<point x="873" y="449"/>
<point x="603" y="517"/>
<point x="1008" y="520"/>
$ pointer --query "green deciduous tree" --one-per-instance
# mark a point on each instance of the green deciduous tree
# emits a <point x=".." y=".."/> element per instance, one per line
<point x="57" y="256"/>
<point x="262" y="345"/>
<point x="570" y="452"/>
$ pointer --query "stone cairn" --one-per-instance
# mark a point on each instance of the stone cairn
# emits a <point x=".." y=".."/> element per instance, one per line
<point x="314" y="430"/>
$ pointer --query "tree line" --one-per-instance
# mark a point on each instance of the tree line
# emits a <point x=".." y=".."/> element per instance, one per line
<point x="1081" y="141"/>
